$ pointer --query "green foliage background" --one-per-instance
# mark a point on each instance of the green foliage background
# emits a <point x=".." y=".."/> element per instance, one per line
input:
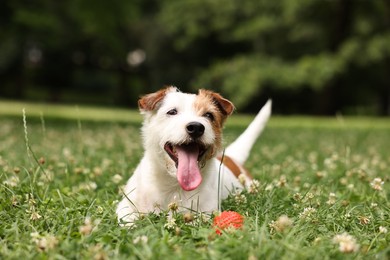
<point x="317" y="57"/>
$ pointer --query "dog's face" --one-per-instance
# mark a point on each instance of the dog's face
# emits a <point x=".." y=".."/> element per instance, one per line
<point x="184" y="130"/>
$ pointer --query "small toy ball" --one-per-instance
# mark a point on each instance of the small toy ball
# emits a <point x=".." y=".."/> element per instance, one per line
<point x="227" y="219"/>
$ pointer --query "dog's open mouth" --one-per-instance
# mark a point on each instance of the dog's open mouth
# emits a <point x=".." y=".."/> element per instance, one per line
<point x="187" y="158"/>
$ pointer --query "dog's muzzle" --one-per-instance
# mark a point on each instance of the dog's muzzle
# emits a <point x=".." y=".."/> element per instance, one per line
<point x="187" y="156"/>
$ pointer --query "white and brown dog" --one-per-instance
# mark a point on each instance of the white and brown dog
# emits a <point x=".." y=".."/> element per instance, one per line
<point x="182" y="136"/>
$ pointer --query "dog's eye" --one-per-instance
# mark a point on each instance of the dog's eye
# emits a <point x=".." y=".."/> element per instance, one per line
<point x="209" y="116"/>
<point x="172" y="112"/>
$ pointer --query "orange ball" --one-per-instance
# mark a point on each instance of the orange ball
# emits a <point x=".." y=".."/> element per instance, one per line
<point x="228" y="219"/>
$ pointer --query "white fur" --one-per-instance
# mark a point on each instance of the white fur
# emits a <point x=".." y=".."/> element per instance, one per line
<point x="241" y="147"/>
<point x="154" y="184"/>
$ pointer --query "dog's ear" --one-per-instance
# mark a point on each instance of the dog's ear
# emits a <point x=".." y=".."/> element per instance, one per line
<point x="225" y="106"/>
<point x="151" y="101"/>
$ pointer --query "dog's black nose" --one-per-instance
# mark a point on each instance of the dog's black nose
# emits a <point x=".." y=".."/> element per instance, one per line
<point x="195" y="129"/>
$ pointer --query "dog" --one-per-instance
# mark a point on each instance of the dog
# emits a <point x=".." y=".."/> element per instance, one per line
<point x="183" y="160"/>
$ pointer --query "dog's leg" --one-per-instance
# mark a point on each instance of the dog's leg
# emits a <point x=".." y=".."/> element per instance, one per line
<point x="239" y="150"/>
<point x="125" y="212"/>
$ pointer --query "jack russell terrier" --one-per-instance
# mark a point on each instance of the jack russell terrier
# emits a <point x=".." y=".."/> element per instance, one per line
<point x="183" y="159"/>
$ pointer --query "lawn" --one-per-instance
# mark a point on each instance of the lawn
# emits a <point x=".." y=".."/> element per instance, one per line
<point x="323" y="190"/>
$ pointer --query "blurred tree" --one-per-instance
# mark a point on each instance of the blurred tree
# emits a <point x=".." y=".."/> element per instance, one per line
<point x="292" y="46"/>
<point x="312" y="56"/>
<point x="51" y="40"/>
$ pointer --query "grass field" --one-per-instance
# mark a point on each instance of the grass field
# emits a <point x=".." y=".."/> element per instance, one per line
<point x="323" y="190"/>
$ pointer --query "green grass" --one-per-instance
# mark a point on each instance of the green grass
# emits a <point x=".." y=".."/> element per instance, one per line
<point x="90" y="113"/>
<point x="47" y="111"/>
<point x="58" y="198"/>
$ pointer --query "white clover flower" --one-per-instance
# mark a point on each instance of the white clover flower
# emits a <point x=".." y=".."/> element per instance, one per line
<point x="330" y="163"/>
<point x="99" y="209"/>
<point x="92" y="185"/>
<point x="44" y="243"/>
<point x="317" y="240"/>
<point x="171" y="223"/>
<point x="98" y="252"/>
<point x="281" y="224"/>
<point x="140" y="239"/>
<point x="344" y="181"/>
<point x="374" y="205"/>
<point x="47" y="242"/>
<point x="347" y="243"/>
<point x="307" y="213"/>
<point x="239" y="198"/>
<point x="282" y="182"/>
<point x="321" y="174"/>
<point x="35" y="235"/>
<point x="364" y="220"/>
<point x="47" y="177"/>
<point x="242" y="179"/>
<point x="97" y="171"/>
<point x="87" y="186"/>
<point x="331" y="199"/>
<point x="174" y="205"/>
<point x="377" y="184"/>
<point x="310" y="196"/>
<point x="116" y="179"/>
<point x="297" y="196"/>
<point x="254" y="186"/>
<point x="35" y="215"/>
<point x="12" y="181"/>
<point x="204" y="218"/>
<point x="15" y="200"/>
<point x="382" y="230"/>
<point x="269" y="187"/>
<point x="87" y="228"/>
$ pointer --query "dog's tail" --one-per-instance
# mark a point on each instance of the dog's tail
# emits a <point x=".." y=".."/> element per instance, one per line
<point x="239" y="150"/>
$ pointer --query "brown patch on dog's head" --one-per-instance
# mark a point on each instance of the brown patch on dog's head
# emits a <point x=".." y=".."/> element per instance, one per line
<point x="152" y="101"/>
<point x="216" y="109"/>
<point x="222" y="106"/>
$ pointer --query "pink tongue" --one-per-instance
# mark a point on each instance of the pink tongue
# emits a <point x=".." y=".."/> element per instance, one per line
<point x="188" y="173"/>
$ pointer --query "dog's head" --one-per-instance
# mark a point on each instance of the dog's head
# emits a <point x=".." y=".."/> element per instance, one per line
<point x="184" y="130"/>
